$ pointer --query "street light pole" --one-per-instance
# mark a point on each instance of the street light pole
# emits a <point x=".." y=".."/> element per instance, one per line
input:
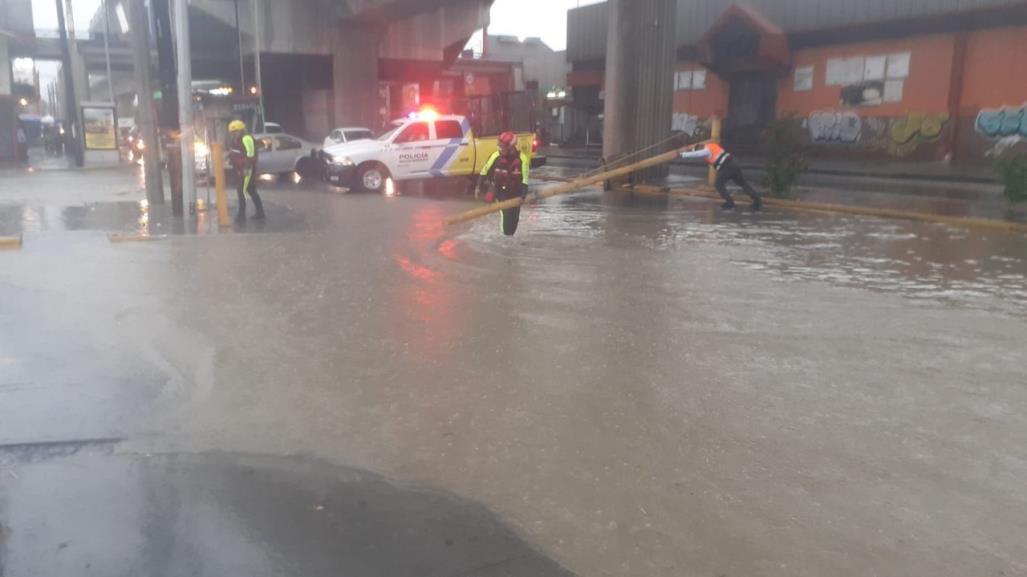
<point x="107" y="49"/>
<point x="140" y="31"/>
<point x="257" y="7"/>
<point x="185" y="100"/>
<point x="242" y="69"/>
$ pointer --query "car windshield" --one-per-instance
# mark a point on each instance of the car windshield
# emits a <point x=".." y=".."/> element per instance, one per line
<point x="359" y="135"/>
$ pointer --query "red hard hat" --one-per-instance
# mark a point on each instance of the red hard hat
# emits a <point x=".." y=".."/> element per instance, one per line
<point x="507" y="139"/>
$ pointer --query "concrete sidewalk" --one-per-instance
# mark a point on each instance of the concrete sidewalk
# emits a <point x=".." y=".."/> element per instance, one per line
<point x="946" y="197"/>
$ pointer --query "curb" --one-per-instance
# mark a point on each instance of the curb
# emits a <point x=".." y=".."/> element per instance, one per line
<point x="822" y="207"/>
<point x="913" y="176"/>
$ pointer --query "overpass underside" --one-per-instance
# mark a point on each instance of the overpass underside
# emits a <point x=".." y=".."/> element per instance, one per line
<point x="368" y="48"/>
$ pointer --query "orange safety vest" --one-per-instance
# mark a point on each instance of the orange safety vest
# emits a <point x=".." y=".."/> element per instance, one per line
<point x="717" y="155"/>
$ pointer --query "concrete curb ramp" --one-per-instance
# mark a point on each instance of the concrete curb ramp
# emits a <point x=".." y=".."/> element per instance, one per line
<point x="11" y="242"/>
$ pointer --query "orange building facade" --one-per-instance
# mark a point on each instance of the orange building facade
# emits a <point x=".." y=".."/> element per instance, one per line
<point x="949" y="87"/>
<point x="949" y="96"/>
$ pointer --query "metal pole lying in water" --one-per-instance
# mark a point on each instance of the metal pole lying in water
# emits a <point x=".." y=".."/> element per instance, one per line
<point x="571" y="186"/>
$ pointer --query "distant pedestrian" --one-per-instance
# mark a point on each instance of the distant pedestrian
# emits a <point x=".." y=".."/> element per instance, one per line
<point x="508" y="168"/>
<point x="23" y="146"/>
<point x="243" y="156"/>
<point x="727" y="170"/>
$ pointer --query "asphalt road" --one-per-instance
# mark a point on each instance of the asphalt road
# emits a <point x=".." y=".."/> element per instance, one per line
<point x="629" y="387"/>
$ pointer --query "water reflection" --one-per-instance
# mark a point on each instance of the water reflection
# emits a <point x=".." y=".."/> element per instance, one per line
<point x="917" y="260"/>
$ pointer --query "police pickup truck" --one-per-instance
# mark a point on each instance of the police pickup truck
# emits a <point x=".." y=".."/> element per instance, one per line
<point x="426" y="145"/>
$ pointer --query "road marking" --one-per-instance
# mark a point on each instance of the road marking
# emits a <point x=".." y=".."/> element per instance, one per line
<point x="10" y="242"/>
<point x="121" y="238"/>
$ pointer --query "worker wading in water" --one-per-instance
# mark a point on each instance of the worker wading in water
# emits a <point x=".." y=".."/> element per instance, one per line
<point x="508" y="168"/>
<point x="243" y="156"/>
<point x="727" y="170"/>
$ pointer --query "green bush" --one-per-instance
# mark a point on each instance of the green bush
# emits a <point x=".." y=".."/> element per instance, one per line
<point x="1011" y="167"/>
<point x="784" y="146"/>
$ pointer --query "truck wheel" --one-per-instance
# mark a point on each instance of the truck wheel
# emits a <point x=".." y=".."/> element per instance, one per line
<point x="372" y="177"/>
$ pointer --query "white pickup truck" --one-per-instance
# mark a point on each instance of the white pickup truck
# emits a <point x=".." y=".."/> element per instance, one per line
<point x="423" y="146"/>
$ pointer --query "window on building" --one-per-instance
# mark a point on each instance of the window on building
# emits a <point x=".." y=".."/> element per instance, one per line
<point x="868" y="80"/>
<point x="698" y="80"/>
<point x="803" y="79"/>
<point x="690" y="80"/>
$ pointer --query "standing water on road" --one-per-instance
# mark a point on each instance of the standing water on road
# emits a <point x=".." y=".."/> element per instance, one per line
<point x="630" y="386"/>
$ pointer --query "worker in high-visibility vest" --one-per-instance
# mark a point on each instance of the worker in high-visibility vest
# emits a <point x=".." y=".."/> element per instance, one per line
<point x="243" y="157"/>
<point x="508" y="168"/>
<point x="727" y="170"/>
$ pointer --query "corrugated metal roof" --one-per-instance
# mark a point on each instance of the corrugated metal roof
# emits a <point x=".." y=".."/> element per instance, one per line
<point x="587" y="26"/>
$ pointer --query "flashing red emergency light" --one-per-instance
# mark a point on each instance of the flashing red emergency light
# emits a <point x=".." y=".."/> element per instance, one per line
<point x="426" y="113"/>
<point x="535" y="143"/>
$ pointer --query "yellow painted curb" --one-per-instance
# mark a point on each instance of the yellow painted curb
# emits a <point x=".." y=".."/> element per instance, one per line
<point x="823" y="207"/>
<point x="122" y="238"/>
<point x="10" y="242"/>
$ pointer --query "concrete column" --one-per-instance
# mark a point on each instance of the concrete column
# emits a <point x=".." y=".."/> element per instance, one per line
<point x="356" y="48"/>
<point x="5" y="68"/>
<point x="640" y="56"/>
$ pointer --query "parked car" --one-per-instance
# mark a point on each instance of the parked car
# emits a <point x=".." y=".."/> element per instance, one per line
<point x="281" y="153"/>
<point x="344" y="135"/>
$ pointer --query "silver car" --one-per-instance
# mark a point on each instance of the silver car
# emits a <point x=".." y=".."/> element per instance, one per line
<point x="343" y="135"/>
<point x="281" y="153"/>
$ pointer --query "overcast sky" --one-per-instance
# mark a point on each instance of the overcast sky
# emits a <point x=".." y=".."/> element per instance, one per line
<point x="544" y="18"/>
<point x="522" y="18"/>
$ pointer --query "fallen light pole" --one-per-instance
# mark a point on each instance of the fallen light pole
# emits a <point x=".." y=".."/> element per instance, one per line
<point x="572" y="186"/>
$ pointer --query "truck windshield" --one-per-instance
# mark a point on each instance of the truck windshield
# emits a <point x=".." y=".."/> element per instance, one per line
<point x="388" y="135"/>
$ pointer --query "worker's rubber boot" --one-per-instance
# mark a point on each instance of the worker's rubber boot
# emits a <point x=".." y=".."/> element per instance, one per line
<point x="259" y="204"/>
<point x="241" y="215"/>
<point x="729" y="205"/>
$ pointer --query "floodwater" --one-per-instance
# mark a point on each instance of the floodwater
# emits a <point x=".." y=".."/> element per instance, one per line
<point x="631" y="386"/>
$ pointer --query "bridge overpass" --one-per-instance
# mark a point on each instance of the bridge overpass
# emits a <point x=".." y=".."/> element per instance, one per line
<point x="324" y="62"/>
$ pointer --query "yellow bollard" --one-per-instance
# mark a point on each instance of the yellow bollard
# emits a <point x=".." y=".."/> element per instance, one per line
<point x="218" y="155"/>
<point x="715" y="137"/>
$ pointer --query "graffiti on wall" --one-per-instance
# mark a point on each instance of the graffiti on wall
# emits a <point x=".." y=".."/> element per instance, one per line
<point x="1003" y="122"/>
<point x="897" y="136"/>
<point x="830" y="126"/>
<point x="908" y="133"/>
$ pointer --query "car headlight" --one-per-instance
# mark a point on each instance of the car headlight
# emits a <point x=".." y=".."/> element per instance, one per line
<point x="342" y="161"/>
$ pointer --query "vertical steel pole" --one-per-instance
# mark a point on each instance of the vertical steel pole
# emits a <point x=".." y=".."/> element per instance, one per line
<point x="257" y="7"/>
<point x="107" y="49"/>
<point x="140" y="31"/>
<point x="185" y="100"/>
<point x="72" y="133"/>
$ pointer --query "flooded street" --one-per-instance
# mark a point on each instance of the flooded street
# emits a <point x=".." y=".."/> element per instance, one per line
<point x="633" y="386"/>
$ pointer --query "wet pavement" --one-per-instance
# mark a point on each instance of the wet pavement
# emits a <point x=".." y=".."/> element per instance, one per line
<point x="219" y="514"/>
<point x="630" y="386"/>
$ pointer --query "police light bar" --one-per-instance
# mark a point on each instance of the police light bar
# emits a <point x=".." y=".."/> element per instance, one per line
<point x="428" y="114"/>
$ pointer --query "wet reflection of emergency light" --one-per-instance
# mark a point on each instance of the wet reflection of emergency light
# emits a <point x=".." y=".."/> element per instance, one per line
<point x="390" y="187"/>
